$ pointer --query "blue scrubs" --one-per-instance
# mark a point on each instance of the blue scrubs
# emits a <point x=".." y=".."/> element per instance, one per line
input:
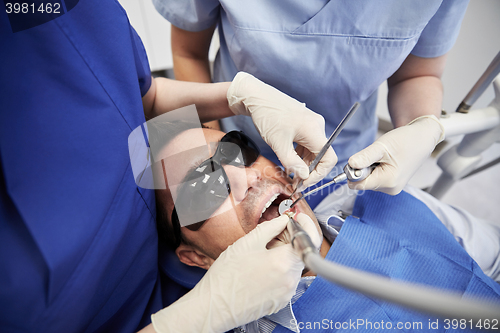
<point x="327" y="54"/>
<point x="78" y="242"/>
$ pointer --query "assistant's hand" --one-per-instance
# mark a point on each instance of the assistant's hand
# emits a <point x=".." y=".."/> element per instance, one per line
<point x="281" y="121"/>
<point x="245" y="283"/>
<point x="400" y="153"/>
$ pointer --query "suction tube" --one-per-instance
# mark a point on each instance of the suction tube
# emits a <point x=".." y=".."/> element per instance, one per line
<point x="422" y="298"/>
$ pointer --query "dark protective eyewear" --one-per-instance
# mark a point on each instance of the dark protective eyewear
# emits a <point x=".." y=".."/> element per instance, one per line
<point x="207" y="186"/>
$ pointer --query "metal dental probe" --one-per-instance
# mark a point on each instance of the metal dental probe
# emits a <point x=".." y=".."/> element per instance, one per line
<point x="354" y="175"/>
<point x="323" y="150"/>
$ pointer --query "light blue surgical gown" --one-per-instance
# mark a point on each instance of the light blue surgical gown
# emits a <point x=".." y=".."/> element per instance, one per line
<point x="78" y="240"/>
<point x="327" y="54"/>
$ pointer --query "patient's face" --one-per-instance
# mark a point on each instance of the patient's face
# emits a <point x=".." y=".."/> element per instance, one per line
<point x="251" y="189"/>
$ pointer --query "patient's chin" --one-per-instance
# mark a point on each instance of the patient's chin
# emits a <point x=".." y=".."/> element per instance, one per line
<point x="282" y="239"/>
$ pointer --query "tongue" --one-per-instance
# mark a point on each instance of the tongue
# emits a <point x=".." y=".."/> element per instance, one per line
<point x="270" y="213"/>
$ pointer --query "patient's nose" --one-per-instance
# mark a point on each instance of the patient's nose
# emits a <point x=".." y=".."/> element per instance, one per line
<point x="241" y="180"/>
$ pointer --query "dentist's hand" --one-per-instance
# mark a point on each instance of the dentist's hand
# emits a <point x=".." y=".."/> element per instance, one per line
<point x="245" y="283"/>
<point x="282" y="120"/>
<point x="309" y="227"/>
<point x="400" y="153"/>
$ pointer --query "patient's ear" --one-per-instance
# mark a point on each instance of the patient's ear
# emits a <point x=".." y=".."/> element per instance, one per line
<point x="191" y="256"/>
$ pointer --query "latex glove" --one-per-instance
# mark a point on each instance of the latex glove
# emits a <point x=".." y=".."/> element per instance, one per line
<point x="400" y="153"/>
<point x="309" y="227"/>
<point x="312" y="230"/>
<point x="281" y="121"/>
<point x="245" y="283"/>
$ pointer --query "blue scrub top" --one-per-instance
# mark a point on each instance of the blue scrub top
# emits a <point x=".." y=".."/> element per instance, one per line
<point x="327" y="54"/>
<point x="78" y="241"/>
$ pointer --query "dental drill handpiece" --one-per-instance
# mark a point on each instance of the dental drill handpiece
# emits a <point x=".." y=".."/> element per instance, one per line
<point x="300" y="239"/>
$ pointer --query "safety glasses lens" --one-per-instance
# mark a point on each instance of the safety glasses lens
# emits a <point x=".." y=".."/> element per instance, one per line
<point x="207" y="187"/>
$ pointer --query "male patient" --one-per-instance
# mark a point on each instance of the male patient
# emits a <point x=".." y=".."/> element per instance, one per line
<point x="218" y="193"/>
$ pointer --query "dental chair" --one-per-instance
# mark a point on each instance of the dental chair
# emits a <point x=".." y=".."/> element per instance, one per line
<point x="481" y="129"/>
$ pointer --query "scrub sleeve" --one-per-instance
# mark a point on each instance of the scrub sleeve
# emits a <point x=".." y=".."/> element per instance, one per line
<point x="327" y="54"/>
<point x="78" y="242"/>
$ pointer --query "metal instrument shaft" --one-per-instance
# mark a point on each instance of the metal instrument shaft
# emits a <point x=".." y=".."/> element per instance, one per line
<point x="354" y="175"/>
<point x="334" y="135"/>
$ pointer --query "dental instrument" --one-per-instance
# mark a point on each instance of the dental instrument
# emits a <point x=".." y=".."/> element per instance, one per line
<point x="327" y="145"/>
<point x="353" y="175"/>
<point x="300" y="239"/>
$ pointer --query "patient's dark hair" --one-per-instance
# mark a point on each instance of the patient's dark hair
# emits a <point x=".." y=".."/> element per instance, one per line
<point x="160" y="134"/>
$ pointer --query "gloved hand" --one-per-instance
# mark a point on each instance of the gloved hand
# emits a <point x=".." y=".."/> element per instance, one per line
<point x="282" y="120"/>
<point x="307" y="224"/>
<point x="245" y="283"/>
<point x="400" y="153"/>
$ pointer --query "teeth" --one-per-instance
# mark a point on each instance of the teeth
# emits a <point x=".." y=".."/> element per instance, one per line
<point x="266" y="206"/>
<point x="271" y="200"/>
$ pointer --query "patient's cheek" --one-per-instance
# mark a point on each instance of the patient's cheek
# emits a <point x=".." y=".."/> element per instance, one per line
<point x="225" y="208"/>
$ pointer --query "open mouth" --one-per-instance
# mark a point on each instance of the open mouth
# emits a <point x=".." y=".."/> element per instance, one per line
<point x="270" y="209"/>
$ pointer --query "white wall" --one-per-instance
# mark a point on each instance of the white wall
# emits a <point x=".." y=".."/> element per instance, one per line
<point x="477" y="45"/>
<point x="154" y="31"/>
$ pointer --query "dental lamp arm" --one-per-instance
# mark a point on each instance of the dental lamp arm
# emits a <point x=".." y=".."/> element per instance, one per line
<point x="414" y="100"/>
